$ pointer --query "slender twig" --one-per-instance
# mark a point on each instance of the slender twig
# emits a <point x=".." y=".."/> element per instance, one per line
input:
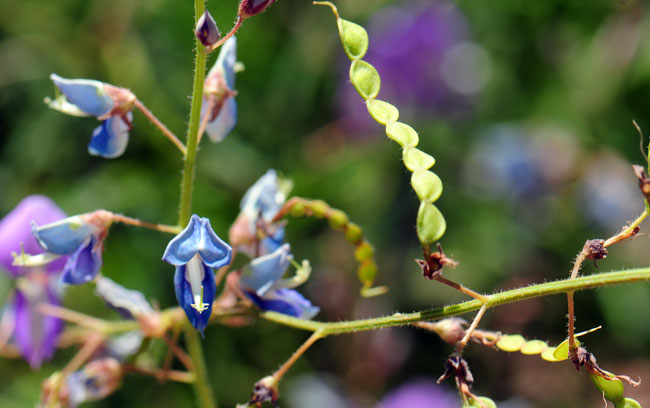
<point x="202" y="386"/>
<point x="232" y="32"/>
<point x="87" y="350"/>
<point x="468" y="333"/>
<point x="73" y="317"/>
<point x="179" y="353"/>
<point x="172" y="229"/>
<point x="172" y="137"/>
<point x="174" y="375"/>
<point x="296" y="355"/>
<point x="459" y="287"/>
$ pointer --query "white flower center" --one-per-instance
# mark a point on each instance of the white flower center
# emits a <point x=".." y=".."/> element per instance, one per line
<point x="194" y="274"/>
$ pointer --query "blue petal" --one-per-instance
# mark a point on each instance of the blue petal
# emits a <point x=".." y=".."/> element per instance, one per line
<point x="226" y="61"/>
<point x="83" y="265"/>
<point x="63" y="237"/>
<point x="109" y="139"/>
<point x="130" y="303"/>
<point x="225" y="121"/>
<point x="272" y="242"/>
<point x="86" y="94"/>
<point x="185" y="298"/>
<point x="263" y="272"/>
<point x="263" y="197"/>
<point x="285" y="301"/>
<point x="198" y="237"/>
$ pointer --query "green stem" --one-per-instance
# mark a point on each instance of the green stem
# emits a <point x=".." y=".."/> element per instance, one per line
<point x="185" y="206"/>
<point x="202" y="387"/>
<point x="510" y="296"/>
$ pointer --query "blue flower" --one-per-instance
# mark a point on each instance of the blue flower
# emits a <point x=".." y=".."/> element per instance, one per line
<point x="253" y="232"/>
<point x="219" y="94"/>
<point x="262" y="282"/>
<point x="82" y="238"/>
<point x="194" y="252"/>
<point x="112" y="105"/>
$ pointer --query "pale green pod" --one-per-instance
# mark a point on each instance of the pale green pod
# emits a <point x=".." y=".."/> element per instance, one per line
<point x="382" y="112"/>
<point x="611" y="389"/>
<point x="415" y="159"/>
<point x="630" y="403"/>
<point x="402" y="134"/>
<point x="431" y="224"/>
<point x="365" y="79"/>
<point x="354" y="39"/>
<point x="487" y="403"/>
<point x="562" y="350"/>
<point x="427" y="185"/>
<point x="533" y="347"/>
<point x="511" y="342"/>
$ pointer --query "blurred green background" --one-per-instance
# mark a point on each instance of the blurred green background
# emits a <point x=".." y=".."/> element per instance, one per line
<point x="527" y="107"/>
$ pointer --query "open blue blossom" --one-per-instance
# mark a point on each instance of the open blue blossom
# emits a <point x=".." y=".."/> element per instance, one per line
<point x="112" y="105"/>
<point x="262" y="282"/>
<point x="34" y="333"/>
<point x="194" y="252"/>
<point x="260" y="205"/>
<point x="219" y="93"/>
<point x="82" y="238"/>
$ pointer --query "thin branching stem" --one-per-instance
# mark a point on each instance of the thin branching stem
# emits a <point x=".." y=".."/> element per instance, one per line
<point x="168" y="133"/>
<point x="172" y="229"/>
<point x="296" y="355"/>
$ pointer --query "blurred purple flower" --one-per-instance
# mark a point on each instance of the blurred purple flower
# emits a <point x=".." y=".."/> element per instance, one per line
<point x="425" y="61"/>
<point x="420" y="394"/>
<point x="34" y="333"/>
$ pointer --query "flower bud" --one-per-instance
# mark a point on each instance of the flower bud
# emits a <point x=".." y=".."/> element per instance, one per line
<point x="206" y="30"/>
<point x="249" y="8"/>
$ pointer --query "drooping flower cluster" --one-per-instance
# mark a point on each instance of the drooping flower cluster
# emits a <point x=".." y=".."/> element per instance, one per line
<point x="194" y="252"/>
<point x="34" y="333"/>
<point x="110" y="104"/>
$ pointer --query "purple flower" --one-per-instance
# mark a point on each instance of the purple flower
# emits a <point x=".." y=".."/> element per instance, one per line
<point x="420" y="394"/>
<point x="262" y="282"/>
<point x="417" y="47"/>
<point x="82" y="238"/>
<point x="260" y="205"/>
<point x="219" y="93"/>
<point x="34" y="333"/>
<point x="112" y="105"/>
<point x="194" y="252"/>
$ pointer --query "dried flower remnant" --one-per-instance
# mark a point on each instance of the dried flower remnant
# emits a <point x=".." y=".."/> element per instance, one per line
<point x="194" y="252"/>
<point x="250" y="8"/>
<point x="206" y="30"/>
<point x="110" y="104"/>
<point x="219" y="109"/>
<point x="34" y="333"/>
<point x="254" y="232"/>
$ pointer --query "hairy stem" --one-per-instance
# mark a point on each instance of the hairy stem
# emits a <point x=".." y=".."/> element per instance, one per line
<point x="296" y="355"/>
<point x="172" y="229"/>
<point x="202" y="387"/>
<point x="501" y="298"/>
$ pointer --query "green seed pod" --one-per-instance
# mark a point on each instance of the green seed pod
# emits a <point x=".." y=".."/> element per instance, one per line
<point x="337" y="219"/>
<point x="402" y="134"/>
<point x="298" y="210"/>
<point x="630" y="403"/>
<point x="382" y="112"/>
<point x="533" y="347"/>
<point x="353" y="233"/>
<point x="365" y="79"/>
<point x="415" y="159"/>
<point x="431" y="224"/>
<point x="354" y="39"/>
<point x="611" y="389"/>
<point x="364" y="252"/>
<point x="367" y="271"/>
<point x="319" y="207"/>
<point x="487" y="403"/>
<point x="426" y="185"/>
<point x="511" y="342"/>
